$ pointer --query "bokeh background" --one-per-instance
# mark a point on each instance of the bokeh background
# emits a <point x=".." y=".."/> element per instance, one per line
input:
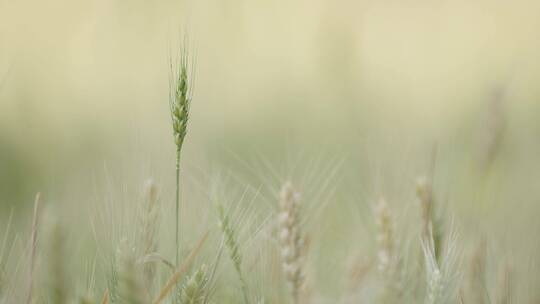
<point x="375" y="92"/>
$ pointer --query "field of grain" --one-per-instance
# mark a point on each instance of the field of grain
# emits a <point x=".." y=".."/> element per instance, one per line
<point x="277" y="152"/>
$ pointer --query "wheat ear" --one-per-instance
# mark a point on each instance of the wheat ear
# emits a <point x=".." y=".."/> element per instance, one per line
<point x="231" y="243"/>
<point x="291" y="240"/>
<point x="432" y="225"/>
<point x="442" y="275"/>
<point x="180" y="272"/>
<point x="193" y="292"/>
<point x="180" y="93"/>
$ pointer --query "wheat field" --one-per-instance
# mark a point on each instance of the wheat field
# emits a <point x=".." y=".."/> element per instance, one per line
<point x="278" y="152"/>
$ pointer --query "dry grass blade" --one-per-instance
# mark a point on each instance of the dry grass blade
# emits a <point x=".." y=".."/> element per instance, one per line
<point x="35" y="222"/>
<point x="504" y="295"/>
<point x="105" y="299"/>
<point x="181" y="270"/>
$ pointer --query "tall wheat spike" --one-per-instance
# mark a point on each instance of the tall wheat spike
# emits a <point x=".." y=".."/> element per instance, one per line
<point x="180" y="94"/>
<point x="291" y="240"/>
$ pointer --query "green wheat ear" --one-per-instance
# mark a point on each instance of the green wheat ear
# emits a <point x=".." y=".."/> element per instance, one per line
<point x="230" y="238"/>
<point x="180" y="99"/>
<point x="180" y="93"/>
<point x="231" y="243"/>
<point x="194" y="290"/>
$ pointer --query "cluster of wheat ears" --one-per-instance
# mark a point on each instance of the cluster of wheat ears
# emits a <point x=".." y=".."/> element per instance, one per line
<point x="436" y="274"/>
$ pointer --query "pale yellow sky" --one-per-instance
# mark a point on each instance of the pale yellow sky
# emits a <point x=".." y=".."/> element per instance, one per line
<point x="95" y="58"/>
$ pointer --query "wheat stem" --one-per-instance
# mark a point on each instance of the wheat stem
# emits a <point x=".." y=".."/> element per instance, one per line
<point x="177" y="229"/>
<point x="33" y="248"/>
<point x="57" y="265"/>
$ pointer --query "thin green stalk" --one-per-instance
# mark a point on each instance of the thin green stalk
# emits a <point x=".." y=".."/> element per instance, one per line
<point x="33" y="248"/>
<point x="178" y="154"/>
